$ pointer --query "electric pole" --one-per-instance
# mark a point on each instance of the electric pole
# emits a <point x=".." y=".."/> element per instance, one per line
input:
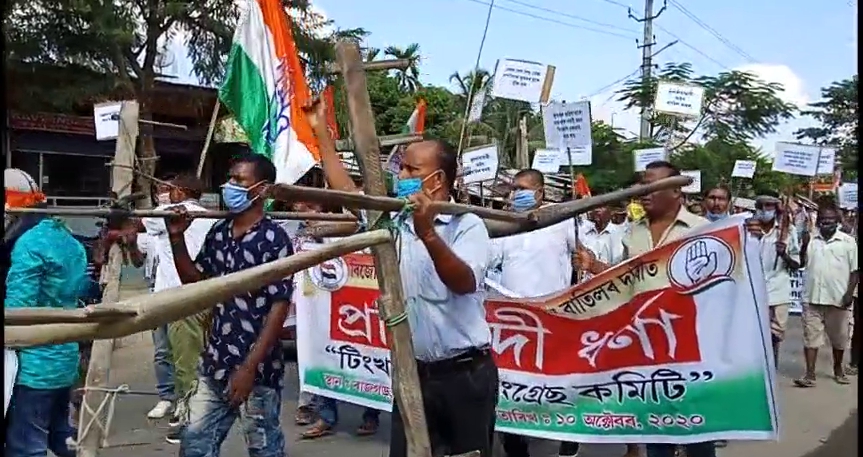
<point x="647" y="60"/>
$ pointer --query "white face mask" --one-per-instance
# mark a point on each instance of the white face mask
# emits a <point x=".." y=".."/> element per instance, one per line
<point x="164" y="198"/>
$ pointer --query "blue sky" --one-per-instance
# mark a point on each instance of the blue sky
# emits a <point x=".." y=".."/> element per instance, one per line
<point x="793" y="42"/>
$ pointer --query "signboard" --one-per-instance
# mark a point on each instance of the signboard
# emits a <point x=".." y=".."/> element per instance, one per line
<point x="519" y="80"/>
<point x="798" y="159"/>
<point x="744" y="169"/>
<point x="567" y="125"/>
<point x="479" y="164"/>
<point x="679" y="99"/>
<point x="848" y="194"/>
<point x="643" y="157"/>
<point x="547" y="160"/>
<point x="797" y="278"/>
<point x="106" y="119"/>
<point x="695" y="187"/>
<point x="646" y="352"/>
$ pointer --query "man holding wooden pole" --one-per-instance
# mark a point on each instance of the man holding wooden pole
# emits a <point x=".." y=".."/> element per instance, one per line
<point x="442" y="263"/>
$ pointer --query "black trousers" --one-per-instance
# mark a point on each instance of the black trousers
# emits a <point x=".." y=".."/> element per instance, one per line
<point x="516" y="446"/>
<point x="856" y="336"/>
<point x="460" y="397"/>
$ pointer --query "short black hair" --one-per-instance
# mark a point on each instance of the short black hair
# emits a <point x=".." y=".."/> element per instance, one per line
<point x="447" y="160"/>
<point x="721" y="187"/>
<point x="534" y="175"/>
<point x="673" y="171"/>
<point x="264" y="168"/>
<point x="190" y="184"/>
<point x="313" y="178"/>
<point x="827" y="204"/>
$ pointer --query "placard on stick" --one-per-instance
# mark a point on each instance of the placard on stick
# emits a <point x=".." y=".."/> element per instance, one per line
<point x="848" y="195"/>
<point x="479" y="164"/>
<point x="642" y="157"/>
<point x="679" y="99"/>
<point x="797" y="159"/>
<point x="522" y="80"/>
<point x="744" y="169"/>
<point x="695" y="187"/>
<point x="106" y="120"/>
<point x="567" y="126"/>
<point x="547" y="160"/>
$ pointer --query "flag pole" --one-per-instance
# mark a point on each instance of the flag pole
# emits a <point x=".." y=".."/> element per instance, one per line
<point x="209" y="138"/>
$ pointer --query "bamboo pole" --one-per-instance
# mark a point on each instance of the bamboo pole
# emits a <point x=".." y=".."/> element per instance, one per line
<point x="160" y="308"/>
<point x="375" y="65"/>
<point x="108" y="212"/>
<point x="36" y="316"/>
<point x="347" y="145"/>
<point x="540" y="218"/>
<point x="354" y="200"/>
<point x="89" y="441"/>
<point x="406" y="386"/>
<point x="210" y="129"/>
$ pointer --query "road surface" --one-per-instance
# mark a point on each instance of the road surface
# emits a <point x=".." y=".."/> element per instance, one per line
<point x="815" y="422"/>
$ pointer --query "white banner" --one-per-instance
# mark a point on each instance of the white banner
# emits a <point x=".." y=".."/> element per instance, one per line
<point x="803" y="159"/>
<point x="567" y="125"/>
<point x="643" y="157"/>
<point x="695" y="187"/>
<point x="679" y="99"/>
<point x="479" y="164"/>
<point x="744" y="169"/>
<point x="848" y="194"/>
<point x="547" y="160"/>
<point x="518" y="80"/>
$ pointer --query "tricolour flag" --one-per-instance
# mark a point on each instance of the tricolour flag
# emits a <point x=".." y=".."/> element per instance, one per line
<point x="417" y="121"/>
<point x="265" y="88"/>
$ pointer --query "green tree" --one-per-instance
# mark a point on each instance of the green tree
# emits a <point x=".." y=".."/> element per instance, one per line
<point x="408" y="78"/>
<point x="737" y="106"/>
<point x="836" y="113"/>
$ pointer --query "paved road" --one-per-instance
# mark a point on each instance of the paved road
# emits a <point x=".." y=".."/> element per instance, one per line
<point x="809" y="417"/>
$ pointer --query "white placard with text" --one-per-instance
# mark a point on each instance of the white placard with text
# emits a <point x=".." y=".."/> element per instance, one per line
<point x="643" y="157"/>
<point x="106" y="120"/>
<point x="567" y="125"/>
<point x="678" y="99"/>
<point x="744" y="169"/>
<point x="479" y="164"/>
<point x="695" y="187"/>
<point x="796" y="159"/>
<point x="848" y="195"/>
<point x="826" y="161"/>
<point x="518" y="80"/>
<point x="547" y="160"/>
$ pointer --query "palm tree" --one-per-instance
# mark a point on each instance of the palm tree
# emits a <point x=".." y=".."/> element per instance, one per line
<point x="479" y="81"/>
<point x="409" y="78"/>
<point x="370" y="54"/>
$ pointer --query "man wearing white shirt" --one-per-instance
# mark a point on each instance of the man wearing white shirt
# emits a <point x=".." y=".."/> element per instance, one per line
<point x="534" y="264"/>
<point x="604" y="238"/>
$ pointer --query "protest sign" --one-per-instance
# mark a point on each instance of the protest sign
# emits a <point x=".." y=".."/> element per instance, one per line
<point x="695" y="187"/>
<point x="479" y="164"/>
<point x="518" y="80"/>
<point x="106" y="120"/>
<point x="646" y="352"/>
<point x="678" y="99"/>
<point x="848" y="195"/>
<point x="826" y="161"/>
<point x="643" y="157"/>
<point x="797" y="278"/>
<point x="744" y="169"/>
<point x="797" y="159"/>
<point x="567" y="125"/>
<point x="547" y="160"/>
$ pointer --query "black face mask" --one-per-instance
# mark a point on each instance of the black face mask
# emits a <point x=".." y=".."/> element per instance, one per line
<point x="827" y="229"/>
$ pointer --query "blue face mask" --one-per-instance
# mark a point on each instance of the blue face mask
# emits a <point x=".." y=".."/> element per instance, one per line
<point x="409" y="186"/>
<point x="715" y="217"/>
<point x="765" y="216"/>
<point x="523" y="200"/>
<point x="237" y="197"/>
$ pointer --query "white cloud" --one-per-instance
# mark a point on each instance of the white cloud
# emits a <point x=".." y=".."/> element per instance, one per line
<point x="794" y="87"/>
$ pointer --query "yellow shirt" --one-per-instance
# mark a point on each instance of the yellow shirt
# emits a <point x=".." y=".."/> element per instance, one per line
<point x="639" y="240"/>
<point x="829" y="264"/>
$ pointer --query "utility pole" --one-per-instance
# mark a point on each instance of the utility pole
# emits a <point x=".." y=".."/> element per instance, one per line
<point x="647" y="60"/>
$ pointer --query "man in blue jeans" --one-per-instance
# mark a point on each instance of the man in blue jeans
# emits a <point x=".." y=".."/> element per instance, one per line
<point x="47" y="268"/>
<point x="328" y="417"/>
<point x="242" y="369"/>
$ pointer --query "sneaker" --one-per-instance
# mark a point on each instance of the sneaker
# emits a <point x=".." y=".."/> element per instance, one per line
<point x="177" y="416"/>
<point x="71" y="444"/>
<point x="174" y="435"/>
<point x="160" y="410"/>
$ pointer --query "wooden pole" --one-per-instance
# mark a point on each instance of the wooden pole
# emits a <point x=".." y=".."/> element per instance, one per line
<point x="406" y="385"/>
<point x="521" y="152"/>
<point x="210" y="129"/>
<point x="90" y="438"/>
<point x="108" y="212"/>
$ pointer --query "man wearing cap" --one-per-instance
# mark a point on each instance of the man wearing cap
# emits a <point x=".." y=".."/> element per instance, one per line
<point x="47" y="268"/>
<point x="780" y="255"/>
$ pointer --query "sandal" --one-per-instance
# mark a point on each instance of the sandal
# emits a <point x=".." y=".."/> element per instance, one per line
<point x="851" y="370"/>
<point x="842" y="379"/>
<point x="304" y="416"/>
<point x="804" y="382"/>
<point x="367" y="429"/>
<point x="319" y="430"/>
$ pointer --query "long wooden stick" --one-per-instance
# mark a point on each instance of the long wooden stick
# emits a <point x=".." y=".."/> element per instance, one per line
<point x="540" y="218"/>
<point x="108" y="212"/>
<point x="391" y="303"/>
<point x="37" y="316"/>
<point x="153" y="310"/>
<point x="210" y="129"/>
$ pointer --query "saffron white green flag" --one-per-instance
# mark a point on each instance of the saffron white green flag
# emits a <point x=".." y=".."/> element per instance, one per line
<point x="265" y="89"/>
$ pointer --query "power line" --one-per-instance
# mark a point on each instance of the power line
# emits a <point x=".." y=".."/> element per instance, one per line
<point x="699" y="51"/>
<point x="616" y="82"/>
<point x="712" y="31"/>
<point x="553" y="21"/>
<point x="570" y="16"/>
